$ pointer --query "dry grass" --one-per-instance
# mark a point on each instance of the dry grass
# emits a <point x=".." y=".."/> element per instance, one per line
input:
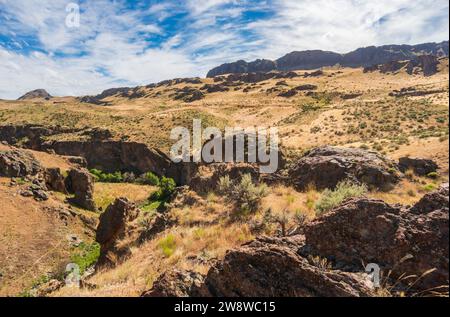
<point x="106" y="193"/>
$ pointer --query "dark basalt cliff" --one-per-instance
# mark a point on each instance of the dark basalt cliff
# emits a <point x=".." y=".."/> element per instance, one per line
<point x="362" y="57"/>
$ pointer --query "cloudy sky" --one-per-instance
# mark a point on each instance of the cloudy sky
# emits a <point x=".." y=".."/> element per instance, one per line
<point x="129" y="43"/>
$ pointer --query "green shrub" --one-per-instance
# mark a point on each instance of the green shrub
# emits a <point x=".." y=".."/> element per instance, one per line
<point x="103" y="177"/>
<point x="332" y="198"/>
<point x="168" y="245"/>
<point x="167" y="187"/>
<point x="86" y="255"/>
<point x="433" y="175"/>
<point x="149" y="179"/>
<point x="429" y="187"/>
<point x="244" y="195"/>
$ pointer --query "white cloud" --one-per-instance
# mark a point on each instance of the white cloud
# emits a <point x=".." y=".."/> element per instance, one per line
<point x="114" y="46"/>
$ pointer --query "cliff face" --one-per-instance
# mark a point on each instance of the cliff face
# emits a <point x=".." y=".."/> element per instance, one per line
<point x="362" y="57"/>
<point x="240" y="67"/>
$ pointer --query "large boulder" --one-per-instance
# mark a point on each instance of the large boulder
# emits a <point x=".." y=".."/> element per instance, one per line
<point x="438" y="200"/>
<point x="325" y="167"/>
<point x="272" y="267"/>
<point x="18" y="163"/>
<point x="420" y="166"/>
<point x="81" y="183"/>
<point x="176" y="283"/>
<point x="116" y="223"/>
<point x="400" y="240"/>
<point x="55" y="180"/>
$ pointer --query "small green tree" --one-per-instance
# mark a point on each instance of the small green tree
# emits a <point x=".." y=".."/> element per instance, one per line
<point x="167" y="187"/>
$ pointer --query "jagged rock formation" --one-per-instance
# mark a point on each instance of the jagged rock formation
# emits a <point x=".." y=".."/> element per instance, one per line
<point x="438" y="200"/>
<point x="361" y="231"/>
<point x="272" y="267"/>
<point x="406" y="241"/>
<point x="420" y="166"/>
<point x="423" y="64"/>
<point x="18" y="163"/>
<point x="414" y="92"/>
<point x="326" y="166"/>
<point x="362" y="57"/>
<point x="81" y="183"/>
<point x="114" y="226"/>
<point x="254" y="77"/>
<point x="240" y="67"/>
<point x="38" y="93"/>
<point x="188" y="94"/>
<point x="54" y="180"/>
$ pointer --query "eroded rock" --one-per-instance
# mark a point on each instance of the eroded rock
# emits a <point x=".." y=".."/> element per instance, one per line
<point x="406" y="241"/>
<point x="18" y="163"/>
<point x="420" y="166"/>
<point x="176" y="283"/>
<point x="272" y="267"/>
<point x="115" y="225"/>
<point x="325" y="167"/>
<point x="81" y="183"/>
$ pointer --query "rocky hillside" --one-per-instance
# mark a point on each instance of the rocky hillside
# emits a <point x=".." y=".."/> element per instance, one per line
<point x="362" y="57"/>
<point x="35" y="94"/>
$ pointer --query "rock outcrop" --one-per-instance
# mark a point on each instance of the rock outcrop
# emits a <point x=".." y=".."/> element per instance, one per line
<point x="114" y="226"/>
<point x="438" y="200"/>
<point x="325" y="167"/>
<point x="176" y="283"/>
<point x="18" y="163"/>
<point x="272" y="267"/>
<point x="81" y="183"/>
<point x="98" y="151"/>
<point x="362" y="57"/>
<point x="35" y="94"/>
<point x="404" y="241"/>
<point x="54" y="180"/>
<point x="420" y="166"/>
<point x="239" y="67"/>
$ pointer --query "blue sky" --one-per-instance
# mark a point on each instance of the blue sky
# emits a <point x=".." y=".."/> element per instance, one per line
<point x="129" y="43"/>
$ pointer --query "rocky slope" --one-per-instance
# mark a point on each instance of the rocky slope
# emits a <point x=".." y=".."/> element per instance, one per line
<point x="362" y="57"/>
<point x="35" y="94"/>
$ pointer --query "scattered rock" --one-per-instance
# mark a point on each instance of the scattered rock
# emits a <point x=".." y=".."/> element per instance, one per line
<point x="306" y="87"/>
<point x="81" y="183"/>
<point x="215" y="88"/>
<point x="420" y="166"/>
<point x="288" y="94"/>
<point x="325" y="167"/>
<point x="316" y="73"/>
<point x="351" y="96"/>
<point x="188" y="94"/>
<point x="18" y="163"/>
<point x="178" y="283"/>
